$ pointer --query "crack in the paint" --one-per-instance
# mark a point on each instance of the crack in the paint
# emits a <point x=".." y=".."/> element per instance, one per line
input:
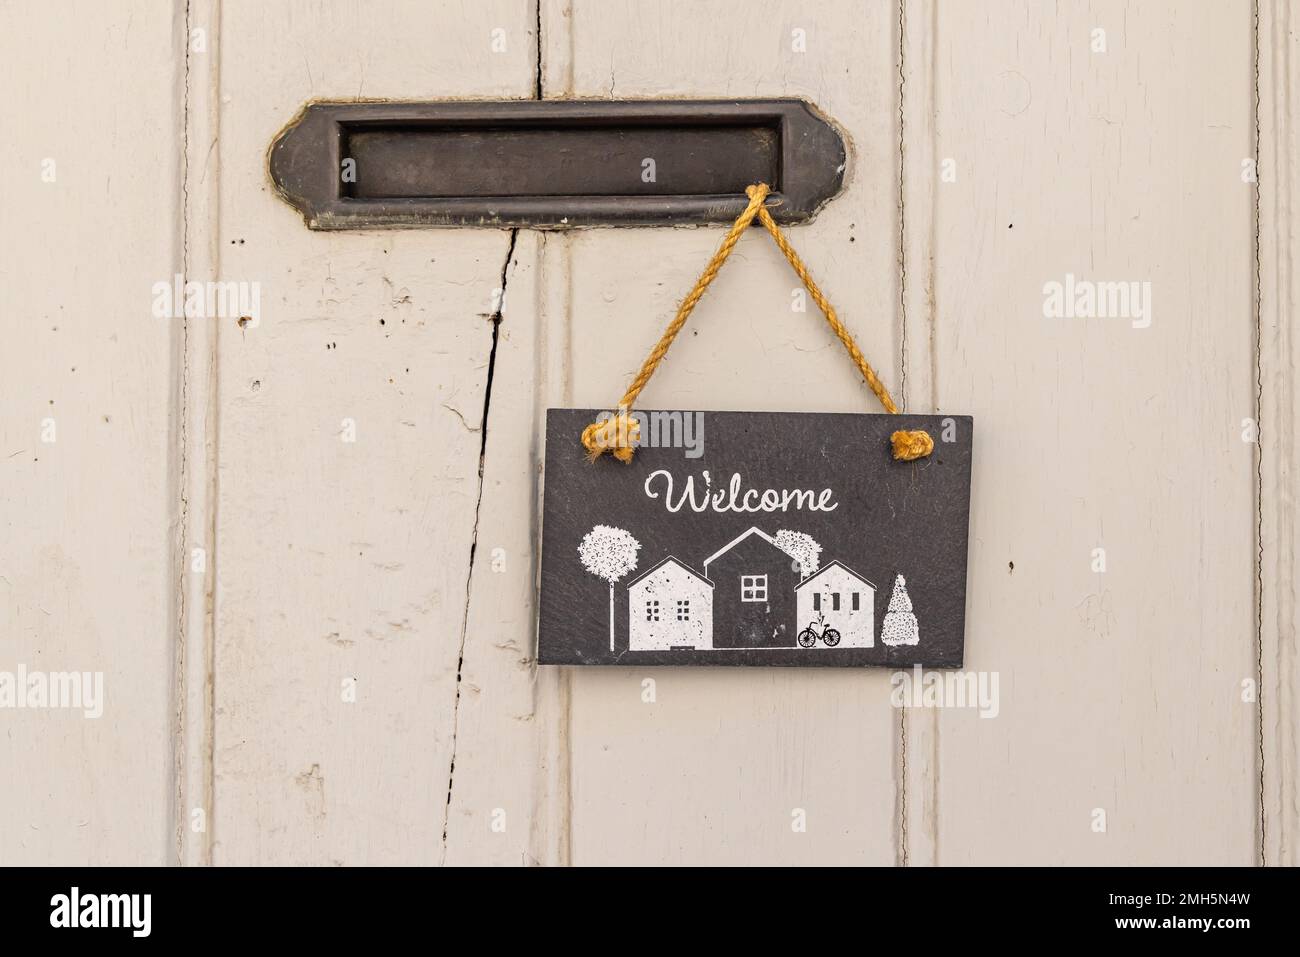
<point x="499" y="306"/>
<point x="182" y="417"/>
<point x="473" y="542"/>
<point x="455" y="411"/>
<point x="537" y="78"/>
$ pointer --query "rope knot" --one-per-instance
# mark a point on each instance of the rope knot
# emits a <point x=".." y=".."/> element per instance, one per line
<point x="910" y="445"/>
<point x="616" y="435"/>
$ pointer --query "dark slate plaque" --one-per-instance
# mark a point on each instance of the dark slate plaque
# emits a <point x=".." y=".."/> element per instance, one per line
<point x="756" y="538"/>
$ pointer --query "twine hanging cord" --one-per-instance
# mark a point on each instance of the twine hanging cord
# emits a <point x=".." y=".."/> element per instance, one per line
<point x="619" y="433"/>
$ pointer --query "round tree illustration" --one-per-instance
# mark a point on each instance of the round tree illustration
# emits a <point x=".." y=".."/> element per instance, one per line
<point x="900" y="626"/>
<point x="801" y="547"/>
<point x="609" y="553"/>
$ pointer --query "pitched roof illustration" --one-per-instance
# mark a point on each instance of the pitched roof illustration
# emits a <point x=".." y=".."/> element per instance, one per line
<point x="830" y="565"/>
<point x="753" y="530"/>
<point x="676" y="561"/>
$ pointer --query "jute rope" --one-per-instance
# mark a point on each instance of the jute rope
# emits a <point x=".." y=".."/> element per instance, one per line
<point x="618" y="434"/>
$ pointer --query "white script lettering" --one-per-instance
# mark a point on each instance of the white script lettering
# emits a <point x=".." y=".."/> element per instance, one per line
<point x="732" y="497"/>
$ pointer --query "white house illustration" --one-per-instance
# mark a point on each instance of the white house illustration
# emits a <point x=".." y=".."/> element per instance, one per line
<point x="837" y="598"/>
<point x="752" y="589"/>
<point x="670" y="607"/>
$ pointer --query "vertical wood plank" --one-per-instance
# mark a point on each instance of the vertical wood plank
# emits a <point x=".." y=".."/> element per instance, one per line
<point x="510" y="799"/>
<point x="713" y="768"/>
<point x="1121" y="691"/>
<point x="195" y="420"/>
<point x="917" y="771"/>
<point x="347" y="560"/>
<point x="509" y="803"/>
<point x="1279" y="421"/>
<point x="90" y="201"/>
<point x="555" y="48"/>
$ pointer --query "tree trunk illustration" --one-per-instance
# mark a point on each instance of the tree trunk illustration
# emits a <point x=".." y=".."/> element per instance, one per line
<point x="609" y="553"/>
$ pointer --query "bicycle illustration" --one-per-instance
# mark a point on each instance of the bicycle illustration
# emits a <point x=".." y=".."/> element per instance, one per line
<point x="808" y="637"/>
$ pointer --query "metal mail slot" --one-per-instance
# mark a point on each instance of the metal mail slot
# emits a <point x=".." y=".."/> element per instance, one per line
<point x="553" y="164"/>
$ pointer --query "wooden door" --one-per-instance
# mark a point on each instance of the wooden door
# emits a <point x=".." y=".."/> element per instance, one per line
<point x="303" y="551"/>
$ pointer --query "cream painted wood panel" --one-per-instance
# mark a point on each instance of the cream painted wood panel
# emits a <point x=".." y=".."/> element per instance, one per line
<point x="1279" y="419"/>
<point x="86" y="518"/>
<point x="345" y="560"/>
<point x="1120" y="691"/>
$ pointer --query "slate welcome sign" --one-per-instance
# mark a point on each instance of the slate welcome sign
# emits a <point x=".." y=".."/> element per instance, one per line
<point x="755" y="538"/>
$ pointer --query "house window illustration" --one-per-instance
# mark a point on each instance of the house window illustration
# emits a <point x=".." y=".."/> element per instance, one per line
<point x="753" y="588"/>
<point x="684" y="610"/>
<point x="835" y="601"/>
<point x="652" y="610"/>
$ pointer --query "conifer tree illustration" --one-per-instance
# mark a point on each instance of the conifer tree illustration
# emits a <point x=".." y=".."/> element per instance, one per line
<point x="609" y="553"/>
<point x="900" y="627"/>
